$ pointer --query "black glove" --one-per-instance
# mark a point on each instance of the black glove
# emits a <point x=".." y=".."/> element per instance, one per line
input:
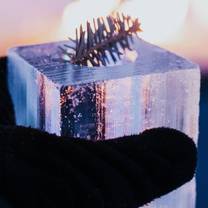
<point x="39" y="170"/>
<point x="43" y="170"/>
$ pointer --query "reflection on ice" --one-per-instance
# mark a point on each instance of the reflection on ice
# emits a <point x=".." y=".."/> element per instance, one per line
<point x="113" y="108"/>
<point x="157" y="89"/>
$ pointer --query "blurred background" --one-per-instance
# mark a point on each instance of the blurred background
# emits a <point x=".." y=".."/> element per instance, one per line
<point x="177" y="25"/>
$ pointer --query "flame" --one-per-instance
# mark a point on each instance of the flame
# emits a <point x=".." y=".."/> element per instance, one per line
<point x="161" y="20"/>
<point x="78" y="12"/>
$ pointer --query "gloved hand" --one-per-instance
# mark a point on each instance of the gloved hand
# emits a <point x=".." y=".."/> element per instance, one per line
<point x="39" y="170"/>
<point x="43" y="170"/>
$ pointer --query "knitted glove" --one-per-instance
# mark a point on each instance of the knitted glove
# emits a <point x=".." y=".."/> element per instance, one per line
<point x="42" y="170"/>
<point x="39" y="170"/>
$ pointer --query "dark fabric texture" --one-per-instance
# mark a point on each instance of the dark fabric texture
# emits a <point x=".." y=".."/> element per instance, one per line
<point x="39" y="170"/>
<point x="43" y="170"/>
<point x="6" y="107"/>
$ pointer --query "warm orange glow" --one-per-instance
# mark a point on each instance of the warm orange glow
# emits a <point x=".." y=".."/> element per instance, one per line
<point x="79" y="12"/>
<point x="162" y="22"/>
<point x="131" y="55"/>
<point x="66" y="94"/>
<point x="160" y="19"/>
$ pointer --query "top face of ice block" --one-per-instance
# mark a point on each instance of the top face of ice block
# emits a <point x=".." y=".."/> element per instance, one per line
<point x="150" y="59"/>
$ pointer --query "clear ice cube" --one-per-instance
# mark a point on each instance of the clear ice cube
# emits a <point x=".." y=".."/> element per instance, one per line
<point x="157" y="89"/>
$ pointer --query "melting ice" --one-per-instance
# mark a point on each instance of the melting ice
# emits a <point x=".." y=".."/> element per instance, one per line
<point x="158" y="89"/>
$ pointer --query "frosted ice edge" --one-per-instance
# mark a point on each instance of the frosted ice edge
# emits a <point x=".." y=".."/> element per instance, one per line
<point x="45" y="58"/>
<point x="120" y="100"/>
<point x="33" y="95"/>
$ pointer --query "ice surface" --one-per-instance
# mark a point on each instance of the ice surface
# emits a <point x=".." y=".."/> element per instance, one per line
<point x="158" y="89"/>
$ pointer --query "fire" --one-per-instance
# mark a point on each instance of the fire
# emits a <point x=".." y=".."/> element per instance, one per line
<point x="78" y="12"/>
<point x="161" y="20"/>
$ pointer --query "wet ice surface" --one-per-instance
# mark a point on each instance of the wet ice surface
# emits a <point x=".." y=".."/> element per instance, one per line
<point x="157" y="89"/>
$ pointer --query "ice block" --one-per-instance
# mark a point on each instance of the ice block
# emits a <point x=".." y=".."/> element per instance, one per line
<point x="157" y="88"/>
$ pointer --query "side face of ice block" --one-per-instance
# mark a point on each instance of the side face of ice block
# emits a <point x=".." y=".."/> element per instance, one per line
<point x="157" y="89"/>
